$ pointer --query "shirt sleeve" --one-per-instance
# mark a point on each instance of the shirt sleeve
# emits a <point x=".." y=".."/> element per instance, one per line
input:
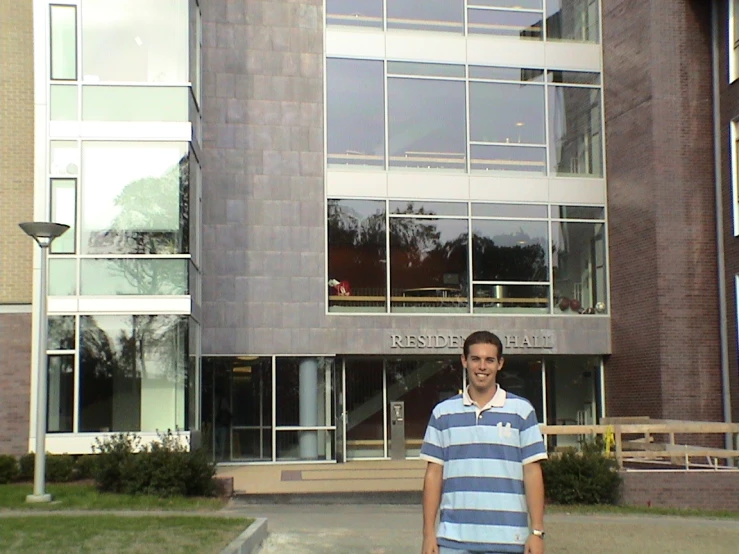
<point x="532" y="443"/>
<point x="433" y="448"/>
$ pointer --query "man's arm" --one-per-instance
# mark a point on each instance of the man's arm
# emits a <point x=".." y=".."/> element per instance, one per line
<point x="431" y="500"/>
<point x="533" y="482"/>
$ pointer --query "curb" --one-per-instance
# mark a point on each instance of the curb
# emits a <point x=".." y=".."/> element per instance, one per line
<point x="250" y="540"/>
<point x="390" y="497"/>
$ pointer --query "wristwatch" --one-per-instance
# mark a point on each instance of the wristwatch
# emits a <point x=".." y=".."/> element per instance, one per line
<point x="538" y="533"/>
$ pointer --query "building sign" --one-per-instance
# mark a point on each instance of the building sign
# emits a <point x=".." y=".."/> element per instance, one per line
<point x="515" y="341"/>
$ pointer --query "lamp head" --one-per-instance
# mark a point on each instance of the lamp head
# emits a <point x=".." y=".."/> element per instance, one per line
<point x="43" y="232"/>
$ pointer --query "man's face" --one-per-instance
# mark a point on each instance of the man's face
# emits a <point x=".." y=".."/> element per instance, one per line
<point x="483" y="364"/>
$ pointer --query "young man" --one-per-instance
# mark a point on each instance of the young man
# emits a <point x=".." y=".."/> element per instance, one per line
<point x="483" y="449"/>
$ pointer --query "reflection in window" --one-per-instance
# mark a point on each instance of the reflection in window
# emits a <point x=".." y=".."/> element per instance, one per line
<point x="357" y="265"/>
<point x="63" y="42"/>
<point x="60" y="394"/>
<point x="357" y="13"/>
<point x="139" y="41"/>
<point x="118" y="103"/>
<point x="64" y="210"/>
<point x="505" y="113"/>
<point x="355" y="112"/>
<point x="251" y="409"/>
<point x="64" y="157"/>
<point x="304" y="393"/>
<point x="506" y="256"/>
<point x="573" y="395"/>
<point x="428" y="265"/>
<point x="426" y="15"/>
<point x="508" y="23"/>
<point x="133" y="276"/>
<point x="61" y="333"/>
<point x="579" y="267"/>
<point x="426" y="121"/>
<point x="576" y="20"/>
<point x="135" y="198"/>
<point x="576" y="140"/>
<point x="522" y="377"/>
<point x="132" y="373"/>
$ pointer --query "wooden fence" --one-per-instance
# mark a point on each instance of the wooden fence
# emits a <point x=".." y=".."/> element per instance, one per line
<point x="642" y="440"/>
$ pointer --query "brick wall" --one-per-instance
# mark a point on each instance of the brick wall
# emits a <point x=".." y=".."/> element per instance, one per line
<point x="658" y="109"/>
<point x="15" y="382"/>
<point x="16" y="149"/>
<point x="729" y="102"/>
<point x="708" y="490"/>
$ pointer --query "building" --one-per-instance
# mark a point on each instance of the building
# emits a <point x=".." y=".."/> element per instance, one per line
<point x="286" y="216"/>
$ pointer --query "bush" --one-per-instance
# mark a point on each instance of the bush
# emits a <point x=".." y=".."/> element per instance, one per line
<point x="60" y="468"/>
<point x="585" y="477"/>
<point x="8" y="469"/>
<point x="26" y="467"/>
<point x="164" y="468"/>
<point x="84" y="466"/>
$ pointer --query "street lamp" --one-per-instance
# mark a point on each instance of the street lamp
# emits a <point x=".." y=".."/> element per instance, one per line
<point x="44" y="234"/>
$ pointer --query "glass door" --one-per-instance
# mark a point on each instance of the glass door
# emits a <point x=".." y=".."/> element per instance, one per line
<point x="364" y="409"/>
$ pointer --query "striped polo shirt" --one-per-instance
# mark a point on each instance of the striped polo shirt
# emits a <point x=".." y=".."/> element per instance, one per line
<point x="483" y="451"/>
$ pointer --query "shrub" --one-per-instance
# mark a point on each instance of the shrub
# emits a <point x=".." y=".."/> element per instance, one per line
<point x="84" y="466"/>
<point x="59" y="468"/>
<point x="114" y="461"/>
<point x="164" y="468"/>
<point x="8" y="469"/>
<point x="585" y="477"/>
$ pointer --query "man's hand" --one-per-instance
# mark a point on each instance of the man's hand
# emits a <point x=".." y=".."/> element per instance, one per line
<point x="429" y="544"/>
<point x="534" y="545"/>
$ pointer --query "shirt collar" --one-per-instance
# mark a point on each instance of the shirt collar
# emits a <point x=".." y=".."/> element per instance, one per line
<point x="497" y="401"/>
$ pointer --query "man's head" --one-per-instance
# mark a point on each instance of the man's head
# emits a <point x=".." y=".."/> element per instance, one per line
<point x="482" y="358"/>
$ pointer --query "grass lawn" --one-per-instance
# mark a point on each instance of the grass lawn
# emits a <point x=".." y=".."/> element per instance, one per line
<point x="79" y="496"/>
<point x="111" y="534"/>
<point x="639" y="510"/>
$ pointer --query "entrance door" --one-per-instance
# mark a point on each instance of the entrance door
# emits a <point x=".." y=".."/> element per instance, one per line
<point x="364" y="409"/>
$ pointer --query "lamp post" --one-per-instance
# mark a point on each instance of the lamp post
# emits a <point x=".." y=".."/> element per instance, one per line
<point x="44" y="234"/>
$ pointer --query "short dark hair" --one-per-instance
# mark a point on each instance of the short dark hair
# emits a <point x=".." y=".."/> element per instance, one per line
<point x="483" y="337"/>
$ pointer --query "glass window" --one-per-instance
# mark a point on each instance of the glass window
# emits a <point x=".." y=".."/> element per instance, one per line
<point x="64" y="210"/>
<point x="60" y="394"/>
<point x="62" y="276"/>
<point x="508" y="23"/>
<point x="61" y="333"/>
<point x="513" y="4"/>
<point x="135" y="208"/>
<point x="425" y="69"/>
<point x="510" y="299"/>
<point x="133" y="276"/>
<point x="509" y="250"/>
<point x="63" y="42"/>
<point x="508" y="158"/>
<point x="573" y="395"/>
<point x="413" y="207"/>
<point x="304" y="395"/>
<point x="359" y="13"/>
<point x="428" y="265"/>
<point x="357" y="256"/>
<point x="138" y="41"/>
<point x="426" y="121"/>
<point x="63" y="103"/>
<point x="101" y="103"/>
<point x="132" y="372"/>
<point x="509" y="210"/>
<point x="251" y="406"/>
<point x="576" y="20"/>
<point x="507" y="113"/>
<point x="355" y="106"/>
<point x="426" y="15"/>
<point x="575" y="131"/>
<point x="574" y="77"/>
<point x="578" y="212"/>
<point x="64" y="157"/>
<point x="523" y="74"/>
<point x="579" y="267"/>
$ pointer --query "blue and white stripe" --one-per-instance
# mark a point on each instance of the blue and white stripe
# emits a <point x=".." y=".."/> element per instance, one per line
<point x="483" y="505"/>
